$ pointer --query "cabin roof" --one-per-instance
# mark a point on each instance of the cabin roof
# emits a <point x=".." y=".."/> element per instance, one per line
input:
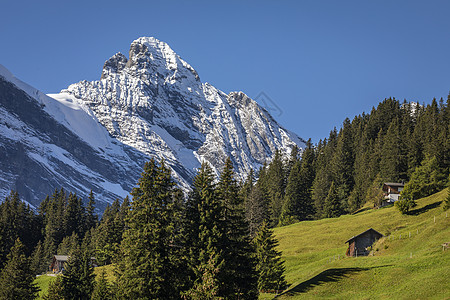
<point x="394" y="184"/>
<point x="354" y="237"/>
<point x="62" y="257"/>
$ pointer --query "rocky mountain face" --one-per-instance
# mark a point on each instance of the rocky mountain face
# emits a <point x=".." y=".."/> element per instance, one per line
<point x="97" y="135"/>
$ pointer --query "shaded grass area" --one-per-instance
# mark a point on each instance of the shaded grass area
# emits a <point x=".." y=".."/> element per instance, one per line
<point x="43" y="282"/>
<point x="406" y="264"/>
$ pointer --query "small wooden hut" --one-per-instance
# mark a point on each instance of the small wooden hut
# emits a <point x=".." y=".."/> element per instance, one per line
<point x="58" y="263"/>
<point x="359" y="244"/>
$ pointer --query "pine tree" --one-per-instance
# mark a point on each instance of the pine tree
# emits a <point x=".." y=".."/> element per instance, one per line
<point x="332" y="206"/>
<point x="74" y="215"/>
<point x="276" y="184"/>
<point x="55" y="290"/>
<point x="393" y="164"/>
<point x="17" y="220"/>
<point x="204" y="230"/>
<point x="269" y="264"/>
<point x="91" y="218"/>
<point x="342" y="163"/>
<point x="68" y="245"/>
<point x="247" y="187"/>
<point x="38" y="259"/>
<point x="446" y="204"/>
<point x="238" y="277"/>
<point x="148" y="267"/>
<point x="256" y="211"/>
<point x="108" y="234"/>
<point x="16" y="278"/>
<point x="102" y="289"/>
<point x="426" y="180"/>
<point x="375" y="193"/>
<point x="207" y="286"/>
<point x="298" y="203"/>
<point x="78" y="278"/>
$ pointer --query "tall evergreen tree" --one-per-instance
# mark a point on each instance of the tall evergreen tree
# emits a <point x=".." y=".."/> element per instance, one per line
<point x="78" y="278"/>
<point x="446" y="204"/>
<point x="276" y="184"/>
<point x="298" y="204"/>
<point x="38" y="259"/>
<point x="55" y="290"/>
<point x="269" y="264"/>
<point x="256" y="209"/>
<point x="91" y="217"/>
<point x="332" y="206"/>
<point x="17" y="220"/>
<point x="426" y="180"/>
<point x="149" y="264"/>
<point x="102" y="289"/>
<point x="204" y="233"/>
<point x="16" y="278"/>
<point x="239" y="280"/>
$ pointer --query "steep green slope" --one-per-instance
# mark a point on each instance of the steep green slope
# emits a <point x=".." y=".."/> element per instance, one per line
<point x="408" y="263"/>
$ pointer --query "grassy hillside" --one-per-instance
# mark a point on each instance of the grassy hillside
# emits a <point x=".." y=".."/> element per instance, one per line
<point x="408" y="263"/>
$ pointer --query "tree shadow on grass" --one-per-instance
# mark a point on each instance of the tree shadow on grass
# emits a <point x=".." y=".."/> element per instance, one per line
<point x="329" y="275"/>
<point x="426" y="208"/>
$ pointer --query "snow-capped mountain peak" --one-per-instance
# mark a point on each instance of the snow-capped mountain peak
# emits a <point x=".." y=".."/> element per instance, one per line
<point x="153" y="104"/>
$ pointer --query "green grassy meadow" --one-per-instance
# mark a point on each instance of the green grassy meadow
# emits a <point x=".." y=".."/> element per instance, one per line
<point x="409" y="263"/>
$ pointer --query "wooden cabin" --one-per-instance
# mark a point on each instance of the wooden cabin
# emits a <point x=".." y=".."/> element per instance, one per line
<point x="58" y="263"/>
<point x="359" y="244"/>
<point x="392" y="192"/>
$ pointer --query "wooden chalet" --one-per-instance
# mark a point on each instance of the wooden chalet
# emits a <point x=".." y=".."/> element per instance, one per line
<point x="58" y="263"/>
<point x="359" y="244"/>
<point x="392" y="191"/>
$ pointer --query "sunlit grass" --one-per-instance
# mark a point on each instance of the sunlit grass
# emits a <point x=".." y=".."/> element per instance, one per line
<point x="407" y="263"/>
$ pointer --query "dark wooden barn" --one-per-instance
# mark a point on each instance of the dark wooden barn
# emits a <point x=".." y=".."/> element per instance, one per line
<point x="359" y="244"/>
<point x="58" y="263"/>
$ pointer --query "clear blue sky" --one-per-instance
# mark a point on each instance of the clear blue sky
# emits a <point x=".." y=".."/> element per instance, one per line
<point x="319" y="61"/>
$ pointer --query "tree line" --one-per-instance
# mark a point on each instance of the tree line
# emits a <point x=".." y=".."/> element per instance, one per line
<point x="162" y="245"/>
<point x="395" y="142"/>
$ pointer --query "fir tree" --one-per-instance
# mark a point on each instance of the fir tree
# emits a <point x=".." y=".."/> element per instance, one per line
<point x="91" y="218"/>
<point x="102" y="289"/>
<point x="38" y="259"/>
<point x="207" y="286"/>
<point x="298" y="203"/>
<point x="55" y="290"/>
<point x="276" y="183"/>
<point x="78" y="278"/>
<point x="149" y="251"/>
<point x="446" y="204"/>
<point x="204" y="230"/>
<point x="332" y="206"/>
<point x="426" y="180"/>
<point x="269" y="264"/>
<point x="238" y="276"/>
<point x="256" y="211"/>
<point x="16" y="278"/>
<point x="68" y="245"/>
<point x="17" y="220"/>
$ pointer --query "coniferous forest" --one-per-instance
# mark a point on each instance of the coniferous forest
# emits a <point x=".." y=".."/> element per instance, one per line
<point x="216" y="242"/>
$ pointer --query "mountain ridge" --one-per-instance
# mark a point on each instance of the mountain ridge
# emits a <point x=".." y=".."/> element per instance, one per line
<point x="153" y="104"/>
